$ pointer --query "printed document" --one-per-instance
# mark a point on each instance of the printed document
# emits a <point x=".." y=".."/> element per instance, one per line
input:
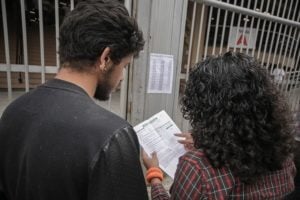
<point x="160" y="73"/>
<point x="157" y="134"/>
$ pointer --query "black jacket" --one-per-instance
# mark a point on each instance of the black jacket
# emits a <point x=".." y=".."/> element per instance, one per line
<point x="56" y="143"/>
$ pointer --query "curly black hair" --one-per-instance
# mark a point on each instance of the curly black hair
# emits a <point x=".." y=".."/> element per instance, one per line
<point x="94" y="25"/>
<point x="238" y="117"/>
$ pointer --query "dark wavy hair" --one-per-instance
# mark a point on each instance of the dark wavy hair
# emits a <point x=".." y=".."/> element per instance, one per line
<point x="94" y="25"/>
<point x="238" y="116"/>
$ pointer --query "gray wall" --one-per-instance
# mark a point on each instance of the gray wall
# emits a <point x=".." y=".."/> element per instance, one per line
<point x="163" y="25"/>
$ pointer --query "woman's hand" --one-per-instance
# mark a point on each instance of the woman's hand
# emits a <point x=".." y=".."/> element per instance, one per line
<point x="150" y="161"/>
<point x="187" y="140"/>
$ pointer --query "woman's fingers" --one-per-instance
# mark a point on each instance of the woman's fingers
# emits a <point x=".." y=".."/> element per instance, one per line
<point x="150" y="161"/>
<point x="186" y="138"/>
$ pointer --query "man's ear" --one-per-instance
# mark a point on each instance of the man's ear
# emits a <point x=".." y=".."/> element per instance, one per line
<point x="104" y="59"/>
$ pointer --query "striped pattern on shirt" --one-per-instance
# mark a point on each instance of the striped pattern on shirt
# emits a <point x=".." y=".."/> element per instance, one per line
<point x="195" y="178"/>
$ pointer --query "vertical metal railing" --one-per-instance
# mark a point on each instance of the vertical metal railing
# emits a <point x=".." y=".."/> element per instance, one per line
<point x="258" y="24"/>
<point x="200" y="34"/>
<point x="56" y="8"/>
<point x="262" y="33"/>
<point x="251" y="27"/>
<point x="274" y="27"/>
<point x="267" y="36"/>
<point x="246" y="19"/>
<point x="216" y="31"/>
<point x="124" y="84"/>
<point x="223" y="29"/>
<point x="185" y="124"/>
<point x="208" y="31"/>
<point x="295" y="59"/>
<point x="238" y="26"/>
<point x="25" y="49"/>
<point x="6" y="46"/>
<point x="42" y="52"/>
<point x="290" y="71"/>
<point x="231" y="22"/>
<point x="283" y="52"/>
<point x="191" y="40"/>
<point x="274" y="33"/>
<point x="71" y="4"/>
<point x="277" y="43"/>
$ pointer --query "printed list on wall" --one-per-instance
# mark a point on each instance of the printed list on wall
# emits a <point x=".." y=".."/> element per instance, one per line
<point x="160" y="73"/>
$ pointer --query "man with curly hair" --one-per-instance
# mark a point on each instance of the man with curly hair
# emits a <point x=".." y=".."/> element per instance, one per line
<point x="243" y="140"/>
<point x="56" y="143"/>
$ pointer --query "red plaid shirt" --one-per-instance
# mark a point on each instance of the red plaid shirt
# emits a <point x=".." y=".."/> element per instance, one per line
<point x="195" y="178"/>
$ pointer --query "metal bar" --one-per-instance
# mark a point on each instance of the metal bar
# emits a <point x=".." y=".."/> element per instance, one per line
<point x="200" y="32"/>
<point x="262" y="33"/>
<point x="42" y="52"/>
<point x="6" y="44"/>
<point x="185" y="123"/>
<point x="109" y="102"/>
<point x="208" y="31"/>
<point x="277" y="43"/>
<point x="231" y="23"/>
<point x="273" y="35"/>
<point x="25" y="49"/>
<point x="32" y="68"/>
<point x="223" y="30"/>
<point x="124" y="83"/>
<point x="176" y="111"/>
<point x="295" y="33"/>
<point x="295" y="66"/>
<point x="245" y="24"/>
<point x="289" y="56"/>
<point x="191" y="41"/>
<point x="216" y="32"/>
<point x="257" y="27"/>
<point x="123" y="94"/>
<point x="128" y="4"/>
<point x="251" y="27"/>
<point x="71" y="4"/>
<point x="56" y="5"/>
<point x="238" y="27"/>
<point x="290" y="32"/>
<point x="284" y="35"/>
<point x="268" y="35"/>
<point x="223" y="5"/>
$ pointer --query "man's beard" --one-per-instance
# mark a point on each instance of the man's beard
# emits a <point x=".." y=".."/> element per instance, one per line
<point x="102" y="92"/>
<point x="104" y="88"/>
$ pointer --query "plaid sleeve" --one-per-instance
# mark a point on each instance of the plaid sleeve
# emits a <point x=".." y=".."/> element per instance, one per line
<point x="158" y="192"/>
<point x="188" y="182"/>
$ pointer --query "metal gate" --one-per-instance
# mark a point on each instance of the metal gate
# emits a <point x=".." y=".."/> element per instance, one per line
<point x="29" y="32"/>
<point x="269" y="30"/>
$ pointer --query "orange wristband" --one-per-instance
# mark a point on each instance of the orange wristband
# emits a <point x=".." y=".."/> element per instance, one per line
<point x="153" y="169"/>
<point x="154" y="174"/>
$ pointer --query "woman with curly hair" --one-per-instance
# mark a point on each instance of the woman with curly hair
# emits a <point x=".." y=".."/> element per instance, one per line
<point x="243" y="140"/>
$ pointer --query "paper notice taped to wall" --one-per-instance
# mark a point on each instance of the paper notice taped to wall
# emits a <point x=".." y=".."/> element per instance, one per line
<point x="160" y="73"/>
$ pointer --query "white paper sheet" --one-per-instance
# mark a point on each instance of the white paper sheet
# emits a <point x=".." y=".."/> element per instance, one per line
<point x="157" y="134"/>
<point x="160" y="73"/>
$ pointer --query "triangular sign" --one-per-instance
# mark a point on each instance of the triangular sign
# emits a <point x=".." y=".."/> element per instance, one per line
<point x="242" y="40"/>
